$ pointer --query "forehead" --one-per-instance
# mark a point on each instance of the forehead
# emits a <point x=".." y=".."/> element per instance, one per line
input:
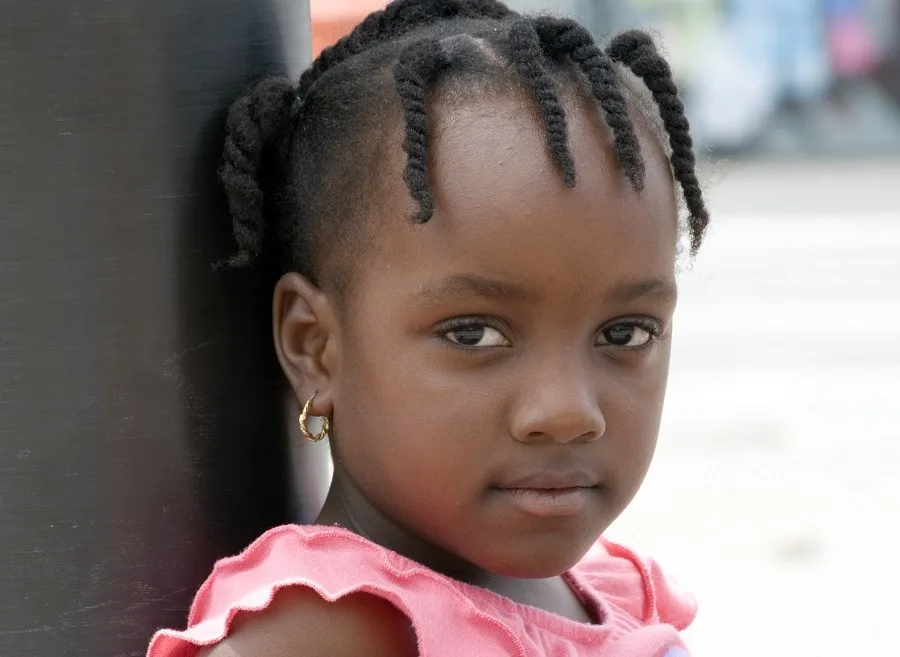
<point x="501" y="205"/>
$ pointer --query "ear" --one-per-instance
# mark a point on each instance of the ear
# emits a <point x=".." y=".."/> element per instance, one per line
<point x="306" y="340"/>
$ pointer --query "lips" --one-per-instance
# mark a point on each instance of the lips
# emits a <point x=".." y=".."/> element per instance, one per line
<point x="550" y="493"/>
<point x="550" y="480"/>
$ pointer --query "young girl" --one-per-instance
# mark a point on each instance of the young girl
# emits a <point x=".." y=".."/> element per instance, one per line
<point x="478" y="218"/>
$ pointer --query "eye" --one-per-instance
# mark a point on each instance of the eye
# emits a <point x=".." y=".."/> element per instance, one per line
<point x="630" y="334"/>
<point x="474" y="335"/>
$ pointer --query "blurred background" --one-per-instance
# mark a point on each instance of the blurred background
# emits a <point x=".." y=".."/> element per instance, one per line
<point x="774" y="495"/>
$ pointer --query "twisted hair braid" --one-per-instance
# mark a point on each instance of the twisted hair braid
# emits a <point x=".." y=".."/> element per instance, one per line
<point x="395" y="20"/>
<point x="254" y="125"/>
<point x="636" y="50"/>
<point x="525" y="46"/>
<point x="564" y="37"/>
<point x="417" y="65"/>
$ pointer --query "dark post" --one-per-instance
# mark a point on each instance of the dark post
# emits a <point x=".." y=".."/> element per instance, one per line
<point x="141" y="410"/>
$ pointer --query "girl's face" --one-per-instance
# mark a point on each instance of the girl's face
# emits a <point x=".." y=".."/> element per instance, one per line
<point x="498" y="375"/>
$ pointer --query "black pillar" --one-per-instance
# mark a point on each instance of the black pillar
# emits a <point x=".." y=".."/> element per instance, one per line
<point x="141" y="432"/>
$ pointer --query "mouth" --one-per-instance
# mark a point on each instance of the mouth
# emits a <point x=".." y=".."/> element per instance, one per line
<point x="547" y="502"/>
<point x="549" y="493"/>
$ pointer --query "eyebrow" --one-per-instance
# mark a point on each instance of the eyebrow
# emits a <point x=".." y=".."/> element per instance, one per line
<point x="462" y="286"/>
<point x="652" y="288"/>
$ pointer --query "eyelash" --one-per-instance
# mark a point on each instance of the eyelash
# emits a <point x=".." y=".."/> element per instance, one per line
<point x="461" y="323"/>
<point x="654" y="329"/>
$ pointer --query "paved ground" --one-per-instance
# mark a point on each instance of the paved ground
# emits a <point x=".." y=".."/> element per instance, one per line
<point x="776" y="492"/>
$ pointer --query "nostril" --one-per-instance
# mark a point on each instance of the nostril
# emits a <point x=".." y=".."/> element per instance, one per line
<point x="563" y="425"/>
<point x="595" y="433"/>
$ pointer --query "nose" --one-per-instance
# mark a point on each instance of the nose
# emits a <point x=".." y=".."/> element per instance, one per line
<point x="562" y="407"/>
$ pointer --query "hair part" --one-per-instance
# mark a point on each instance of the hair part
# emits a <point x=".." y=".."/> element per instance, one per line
<point x="298" y="159"/>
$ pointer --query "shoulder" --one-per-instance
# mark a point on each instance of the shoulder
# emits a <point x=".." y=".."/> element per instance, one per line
<point x="301" y="591"/>
<point x="300" y="623"/>
<point x="636" y="585"/>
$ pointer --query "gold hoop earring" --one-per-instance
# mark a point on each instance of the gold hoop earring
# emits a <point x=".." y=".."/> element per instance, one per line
<point x="304" y="416"/>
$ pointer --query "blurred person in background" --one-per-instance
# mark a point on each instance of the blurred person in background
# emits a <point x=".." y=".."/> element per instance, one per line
<point x="768" y="55"/>
<point x="796" y="77"/>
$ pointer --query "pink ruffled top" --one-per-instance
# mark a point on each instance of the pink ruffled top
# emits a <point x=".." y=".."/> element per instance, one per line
<point x="639" y="612"/>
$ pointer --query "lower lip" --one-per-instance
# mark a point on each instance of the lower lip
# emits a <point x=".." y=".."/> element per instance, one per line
<point x="549" y="502"/>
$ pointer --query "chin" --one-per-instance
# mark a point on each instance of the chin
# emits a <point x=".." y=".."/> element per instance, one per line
<point x="540" y="557"/>
<point x="534" y="568"/>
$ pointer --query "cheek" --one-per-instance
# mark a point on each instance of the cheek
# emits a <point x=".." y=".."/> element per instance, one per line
<point x="409" y="378"/>
<point x="394" y="401"/>
<point x="633" y="421"/>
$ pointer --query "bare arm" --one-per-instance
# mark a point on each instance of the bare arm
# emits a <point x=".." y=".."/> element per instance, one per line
<point x="299" y="623"/>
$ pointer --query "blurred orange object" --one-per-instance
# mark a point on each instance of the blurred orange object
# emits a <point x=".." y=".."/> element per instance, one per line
<point x="332" y="19"/>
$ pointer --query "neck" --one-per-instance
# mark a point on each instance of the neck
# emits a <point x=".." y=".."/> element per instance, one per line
<point x="347" y="507"/>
